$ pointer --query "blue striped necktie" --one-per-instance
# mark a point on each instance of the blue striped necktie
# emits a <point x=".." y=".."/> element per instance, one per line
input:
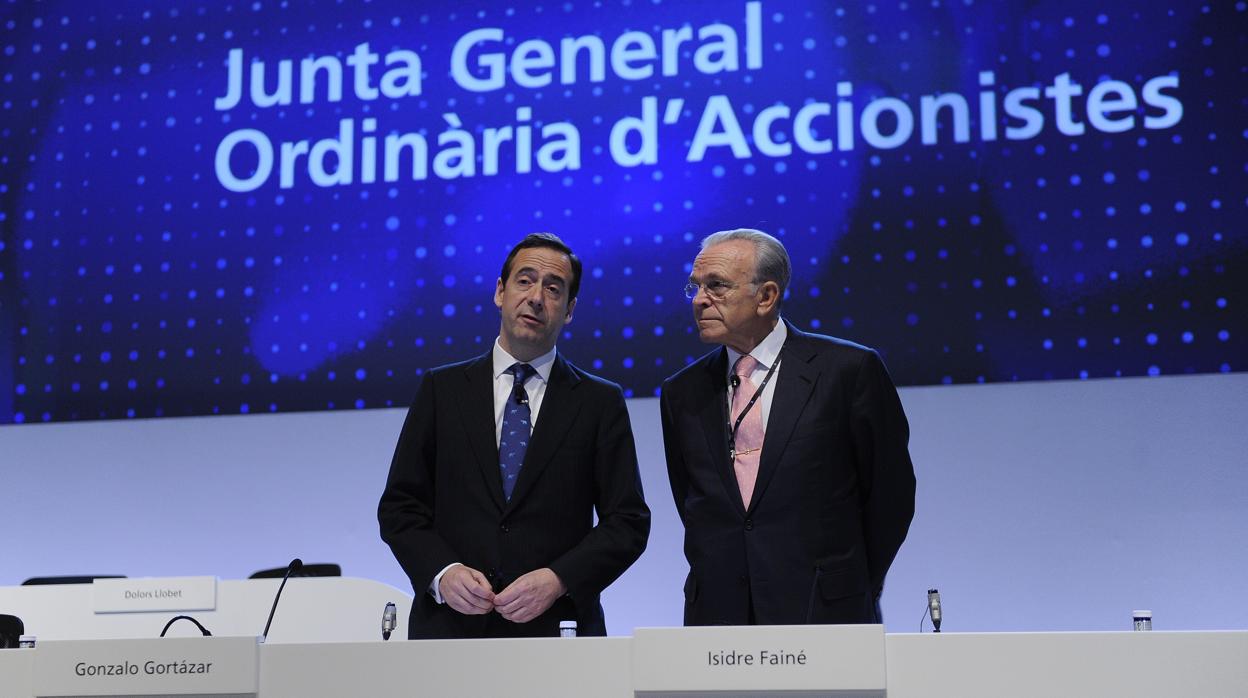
<point x="517" y="427"/>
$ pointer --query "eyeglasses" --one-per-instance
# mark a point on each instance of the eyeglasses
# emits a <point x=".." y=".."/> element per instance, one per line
<point x="715" y="289"/>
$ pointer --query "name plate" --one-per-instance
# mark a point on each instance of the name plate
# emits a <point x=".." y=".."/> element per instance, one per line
<point x="144" y="594"/>
<point x="843" y="660"/>
<point x="163" y="666"/>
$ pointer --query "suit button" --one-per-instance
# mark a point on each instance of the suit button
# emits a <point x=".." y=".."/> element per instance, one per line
<point x="749" y="524"/>
<point x="503" y="528"/>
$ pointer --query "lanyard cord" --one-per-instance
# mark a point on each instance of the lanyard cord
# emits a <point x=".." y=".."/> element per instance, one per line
<point x="734" y="426"/>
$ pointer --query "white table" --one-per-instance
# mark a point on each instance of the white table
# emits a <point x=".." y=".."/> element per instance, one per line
<point x="312" y="609"/>
<point x="963" y="665"/>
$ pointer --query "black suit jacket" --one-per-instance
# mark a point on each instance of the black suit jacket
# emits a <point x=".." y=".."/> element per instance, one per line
<point x="444" y="501"/>
<point x="833" y="499"/>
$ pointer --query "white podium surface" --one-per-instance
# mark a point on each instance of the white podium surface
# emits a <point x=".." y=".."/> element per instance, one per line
<point x="17" y="673"/>
<point x="808" y="660"/>
<point x="1043" y="665"/>
<point x="951" y="665"/>
<point x="312" y="609"/>
<point x="586" y="667"/>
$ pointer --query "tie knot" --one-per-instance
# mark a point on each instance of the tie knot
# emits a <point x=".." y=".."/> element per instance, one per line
<point x="745" y="366"/>
<point x="522" y="372"/>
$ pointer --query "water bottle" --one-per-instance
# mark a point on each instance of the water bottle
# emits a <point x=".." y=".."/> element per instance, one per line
<point x="1143" y="619"/>
<point x="567" y="628"/>
<point x="26" y="642"/>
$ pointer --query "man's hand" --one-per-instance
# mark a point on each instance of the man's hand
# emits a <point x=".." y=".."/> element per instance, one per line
<point x="467" y="591"/>
<point x="529" y="596"/>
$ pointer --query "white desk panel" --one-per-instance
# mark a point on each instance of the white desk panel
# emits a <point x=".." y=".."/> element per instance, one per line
<point x="537" y="668"/>
<point x="1042" y="665"/>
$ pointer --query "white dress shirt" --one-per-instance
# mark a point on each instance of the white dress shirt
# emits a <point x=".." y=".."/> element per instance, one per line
<point x="504" y="382"/>
<point x="766" y="353"/>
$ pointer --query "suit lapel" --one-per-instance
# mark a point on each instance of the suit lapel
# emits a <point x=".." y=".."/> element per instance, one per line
<point x="713" y="414"/>
<point x="477" y="413"/>
<point x="560" y="407"/>
<point x="794" y="382"/>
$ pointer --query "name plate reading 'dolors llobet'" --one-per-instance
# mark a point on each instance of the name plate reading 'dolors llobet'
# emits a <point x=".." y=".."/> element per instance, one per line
<point x="163" y="666"/>
<point x="137" y="595"/>
<point x="840" y="660"/>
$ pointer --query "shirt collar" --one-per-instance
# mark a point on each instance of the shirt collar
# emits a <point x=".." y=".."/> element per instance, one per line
<point x="767" y="352"/>
<point x="503" y="361"/>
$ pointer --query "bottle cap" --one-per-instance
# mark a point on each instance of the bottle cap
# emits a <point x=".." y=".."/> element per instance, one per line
<point x="567" y="625"/>
<point x="1144" y="613"/>
<point x="26" y="641"/>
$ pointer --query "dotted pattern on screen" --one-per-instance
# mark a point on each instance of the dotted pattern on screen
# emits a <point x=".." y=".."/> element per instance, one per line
<point x="133" y="285"/>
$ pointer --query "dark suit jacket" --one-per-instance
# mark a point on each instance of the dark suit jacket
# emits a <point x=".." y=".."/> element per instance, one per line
<point x="833" y="500"/>
<point x="444" y="502"/>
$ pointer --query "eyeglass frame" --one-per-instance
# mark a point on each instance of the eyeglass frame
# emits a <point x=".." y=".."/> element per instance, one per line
<point x="691" y="289"/>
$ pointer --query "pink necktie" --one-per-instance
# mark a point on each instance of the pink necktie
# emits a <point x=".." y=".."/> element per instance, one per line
<point x="749" y="441"/>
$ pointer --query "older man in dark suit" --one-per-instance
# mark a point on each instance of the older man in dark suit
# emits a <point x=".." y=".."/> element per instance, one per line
<point x="787" y="454"/>
<point x="502" y="463"/>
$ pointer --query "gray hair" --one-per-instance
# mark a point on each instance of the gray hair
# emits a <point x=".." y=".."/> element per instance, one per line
<point x="771" y="261"/>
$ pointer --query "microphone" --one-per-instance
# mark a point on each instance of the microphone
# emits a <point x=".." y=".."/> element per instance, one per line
<point x="520" y="395"/>
<point x="389" y="618"/>
<point x="294" y="566"/>
<point x="933" y="607"/>
<point x="735" y="381"/>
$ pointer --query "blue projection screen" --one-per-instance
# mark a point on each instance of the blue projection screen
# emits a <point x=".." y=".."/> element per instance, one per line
<point x="275" y="206"/>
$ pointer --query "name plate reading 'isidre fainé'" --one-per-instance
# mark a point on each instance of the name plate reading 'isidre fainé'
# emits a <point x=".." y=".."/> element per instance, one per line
<point x="845" y="660"/>
<point x="143" y="594"/>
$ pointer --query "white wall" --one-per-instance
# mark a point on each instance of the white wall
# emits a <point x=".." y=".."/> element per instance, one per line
<point x="1042" y="506"/>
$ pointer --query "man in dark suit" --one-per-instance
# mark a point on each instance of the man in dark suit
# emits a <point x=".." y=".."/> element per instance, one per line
<point x="501" y="465"/>
<point x="786" y="451"/>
